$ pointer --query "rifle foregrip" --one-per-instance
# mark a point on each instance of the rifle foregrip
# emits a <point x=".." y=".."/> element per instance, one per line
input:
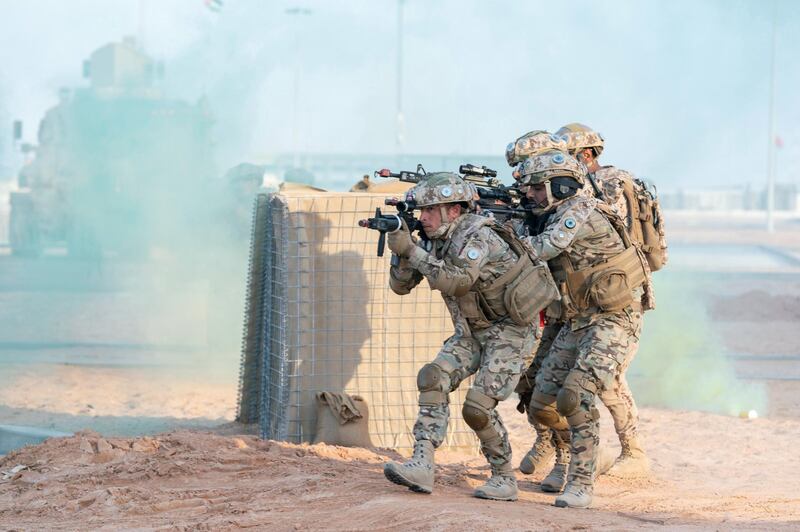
<point x="381" y="243"/>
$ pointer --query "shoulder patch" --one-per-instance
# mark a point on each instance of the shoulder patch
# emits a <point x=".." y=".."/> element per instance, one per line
<point x="560" y="239"/>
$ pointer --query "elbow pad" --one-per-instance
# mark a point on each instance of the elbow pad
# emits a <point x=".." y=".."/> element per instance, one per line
<point x="451" y="286"/>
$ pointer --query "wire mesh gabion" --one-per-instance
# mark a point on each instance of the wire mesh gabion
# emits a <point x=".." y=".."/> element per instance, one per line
<point x="320" y="317"/>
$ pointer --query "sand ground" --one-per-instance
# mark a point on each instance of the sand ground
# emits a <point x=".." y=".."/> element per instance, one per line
<point x="205" y="481"/>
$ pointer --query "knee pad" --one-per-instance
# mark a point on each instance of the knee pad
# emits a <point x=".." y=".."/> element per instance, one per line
<point x="568" y="401"/>
<point x="432" y="383"/>
<point x="569" y="396"/>
<point x="544" y="411"/>
<point x="430" y="377"/>
<point x="477" y="410"/>
<point x="546" y="415"/>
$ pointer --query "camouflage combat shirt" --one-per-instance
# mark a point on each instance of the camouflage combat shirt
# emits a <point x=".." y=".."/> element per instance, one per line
<point x="469" y="257"/>
<point x="585" y="235"/>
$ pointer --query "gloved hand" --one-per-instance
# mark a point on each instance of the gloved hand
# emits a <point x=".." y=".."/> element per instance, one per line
<point x="524" y="389"/>
<point x="400" y="242"/>
<point x="524" y="401"/>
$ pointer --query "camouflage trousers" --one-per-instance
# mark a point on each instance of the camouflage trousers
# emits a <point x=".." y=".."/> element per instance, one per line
<point x="496" y="356"/>
<point x="581" y="364"/>
<point x="618" y="398"/>
<point x="543" y="432"/>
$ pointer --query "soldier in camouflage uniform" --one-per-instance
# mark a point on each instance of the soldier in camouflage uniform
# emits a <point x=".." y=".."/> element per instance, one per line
<point x="587" y="145"/>
<point x="465" y="260"/>
<point x="548" y="444"/>
<point x="600" y="274"/>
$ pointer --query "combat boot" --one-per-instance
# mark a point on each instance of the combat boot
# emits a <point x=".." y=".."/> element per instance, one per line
<point x="575" y="496"/>
<point x="555" y="480"/>
<point x="632" y="461"/>
<point x="416" y="473"/>
<point x="501" y="487"/>
<point x="539" y="455"/>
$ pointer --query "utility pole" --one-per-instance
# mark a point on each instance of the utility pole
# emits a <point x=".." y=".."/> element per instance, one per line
<point x="400" y="133"/>
<point x="141" y="29"/>
<point x="297" y="12"/>
<point x="771" y="143"/>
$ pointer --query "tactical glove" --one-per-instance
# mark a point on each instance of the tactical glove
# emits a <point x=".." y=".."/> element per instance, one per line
<point x="524" y="389"/>
<point x="524" y="401"/>
<point x="400" y="241"/>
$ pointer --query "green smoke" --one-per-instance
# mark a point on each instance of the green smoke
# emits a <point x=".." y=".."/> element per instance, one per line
<point x="682" y="362"/>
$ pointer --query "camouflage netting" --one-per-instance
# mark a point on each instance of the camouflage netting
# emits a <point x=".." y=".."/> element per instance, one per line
<point x="320" y="317"/>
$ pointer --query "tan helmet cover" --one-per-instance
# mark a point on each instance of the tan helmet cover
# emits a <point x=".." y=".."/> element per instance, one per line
<point x="532" y="143"/>
<point x="551" y="163"/>
<point x="444" y="187"/>
<point x="579" y="136"/>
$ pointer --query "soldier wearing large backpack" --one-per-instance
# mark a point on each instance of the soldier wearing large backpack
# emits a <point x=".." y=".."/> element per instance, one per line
<point x="636" y="203"/>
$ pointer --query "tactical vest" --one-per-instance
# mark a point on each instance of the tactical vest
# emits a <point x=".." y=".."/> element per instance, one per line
<point x="607" y="285"/>
<point x="520" y="293"/>
<point x="645" y="222"/>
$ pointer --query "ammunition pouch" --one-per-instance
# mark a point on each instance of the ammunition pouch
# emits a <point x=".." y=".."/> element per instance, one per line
<point x="520" y="293"/>
<point x="528" y="287"/>
<point x="470" y="306"/>
<point x="530" y="292"/>
<point x="608" y="285"/>
<point x="561" y="309"/>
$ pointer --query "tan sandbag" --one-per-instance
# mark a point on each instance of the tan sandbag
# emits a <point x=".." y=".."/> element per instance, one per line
<point x="298" y="187"/>
<point x="392" y="186"/>
<point x="342" y="419"/>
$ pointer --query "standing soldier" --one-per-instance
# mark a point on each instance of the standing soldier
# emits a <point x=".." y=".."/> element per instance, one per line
<point x="474" y="263"/>
<point x="599" y="273"/>
<point x="610" y="184"/>
<point x="548" y="443"/>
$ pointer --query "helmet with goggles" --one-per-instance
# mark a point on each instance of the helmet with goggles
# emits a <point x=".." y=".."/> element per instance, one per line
<point x="560" y="173"/>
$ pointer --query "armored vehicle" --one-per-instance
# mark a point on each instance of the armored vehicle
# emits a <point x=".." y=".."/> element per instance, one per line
<point x="112" y="160"/>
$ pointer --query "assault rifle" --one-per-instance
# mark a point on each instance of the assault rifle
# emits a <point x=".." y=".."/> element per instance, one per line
<point x="500" y="200"/>
<point x="389" y="223"/>
<point x="495" y="199"/>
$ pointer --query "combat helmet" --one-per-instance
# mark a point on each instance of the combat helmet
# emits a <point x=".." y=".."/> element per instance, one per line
<point x="579" y="137"/>
<point x="560" y="172"/>
<point x="532" y="143"/>
<point x="441" y="188"/>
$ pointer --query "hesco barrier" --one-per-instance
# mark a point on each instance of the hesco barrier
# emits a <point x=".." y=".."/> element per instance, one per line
<point x="320" y="317"/>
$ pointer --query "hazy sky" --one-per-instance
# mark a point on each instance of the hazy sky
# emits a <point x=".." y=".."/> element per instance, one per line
<point x="679" y="88"/>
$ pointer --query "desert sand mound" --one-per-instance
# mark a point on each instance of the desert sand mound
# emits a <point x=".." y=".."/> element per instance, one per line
<point x="708" y="472"/>
<point x="758" y="306"/>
